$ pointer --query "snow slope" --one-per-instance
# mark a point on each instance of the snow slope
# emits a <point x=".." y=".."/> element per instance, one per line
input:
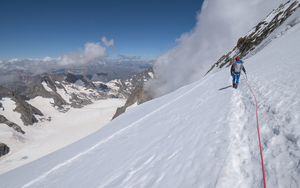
<point x="202" y="135"/>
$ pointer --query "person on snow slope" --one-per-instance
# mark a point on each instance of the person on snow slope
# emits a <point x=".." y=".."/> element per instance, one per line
<point x="235" y="71"/>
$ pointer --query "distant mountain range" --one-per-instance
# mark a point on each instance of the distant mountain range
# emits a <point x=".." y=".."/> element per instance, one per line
<point x="63" y="91"/>
<point x="18" y="75"/>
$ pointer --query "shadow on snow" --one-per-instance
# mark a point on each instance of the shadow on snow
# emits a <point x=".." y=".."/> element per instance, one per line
<point x="225" y="87"/>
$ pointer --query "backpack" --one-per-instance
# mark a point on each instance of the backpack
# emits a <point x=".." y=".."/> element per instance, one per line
<point x="238" y="65"/>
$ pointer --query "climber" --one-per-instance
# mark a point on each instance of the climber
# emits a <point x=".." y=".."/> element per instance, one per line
<point x="235" y="71"/>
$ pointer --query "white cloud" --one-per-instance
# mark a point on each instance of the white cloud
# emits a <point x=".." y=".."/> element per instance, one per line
<point x="48" y="59"/>
<point x="91" y="51"/>
<point x="107" y="43"/>
<point x="218" y="27"/>
<point x="13" y="60"/>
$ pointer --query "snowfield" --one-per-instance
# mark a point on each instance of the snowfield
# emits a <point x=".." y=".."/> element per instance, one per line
<point x="47" y="136"/>
<point x="202" y="135"/>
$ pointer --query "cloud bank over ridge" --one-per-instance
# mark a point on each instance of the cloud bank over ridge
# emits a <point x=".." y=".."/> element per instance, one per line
<point x="92" y="52"/>
<point x="219" y="25"/>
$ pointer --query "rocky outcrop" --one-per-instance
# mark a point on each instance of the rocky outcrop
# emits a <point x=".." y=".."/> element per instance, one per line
<point x="103" y="87"/>
<point x="258" y="34"/>
<point x="39" y="90"/>
<point x="138" y="95"/>
<point x="4" y="149"/>
<point x="87" y="82"/>
<point x="81" y="98"/>
<point x="68" y="92"/>
<point x="78" y="102"/>
<point x="11" y="124"/>
<point x="135" y="97"/>
<point x="49" y="81"/>
<point x="71" y="78"/>
<point x="263" y="29"/>
<point x="126" y="87"/>
<point x="26" y="110"/>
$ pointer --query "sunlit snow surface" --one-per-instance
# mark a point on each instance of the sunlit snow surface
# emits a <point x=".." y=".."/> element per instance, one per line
<point x="202" y="135"/>
<point x="47" y="136"/>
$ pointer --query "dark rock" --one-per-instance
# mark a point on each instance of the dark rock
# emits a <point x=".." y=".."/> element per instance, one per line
<point x="39" y="90"/>
<point x="138" y="95"/>
<point x="49" y="81"/>
<point x="26" y="110"/>
<point x="11" y="124"/>
<point x="71" y="78"/>
<point x="4" y="149"/>
<point x="103" y="87"/>
<point x="79" y="103"/>
<point x="119" y="111"/>
<point x="87" y="82"/>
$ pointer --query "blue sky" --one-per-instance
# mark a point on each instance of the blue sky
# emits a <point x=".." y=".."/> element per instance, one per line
<point x="40" y="28"/>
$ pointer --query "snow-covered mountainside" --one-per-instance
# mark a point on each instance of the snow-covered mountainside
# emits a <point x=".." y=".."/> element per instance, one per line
<point x="124" y="88"/>
<point x="202" y="135"/>
<point x="70" y="91"/>
<point x="53" y="131"/>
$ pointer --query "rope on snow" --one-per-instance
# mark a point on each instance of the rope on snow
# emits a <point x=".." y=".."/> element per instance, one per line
<point x="261" y="154"/>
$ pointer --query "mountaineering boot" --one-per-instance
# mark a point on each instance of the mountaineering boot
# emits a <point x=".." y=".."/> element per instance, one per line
<point x="236" y="85"/>
<point x="233" y="85"/>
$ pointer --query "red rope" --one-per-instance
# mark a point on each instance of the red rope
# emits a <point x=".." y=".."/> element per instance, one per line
<point x="261" y="155"/>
